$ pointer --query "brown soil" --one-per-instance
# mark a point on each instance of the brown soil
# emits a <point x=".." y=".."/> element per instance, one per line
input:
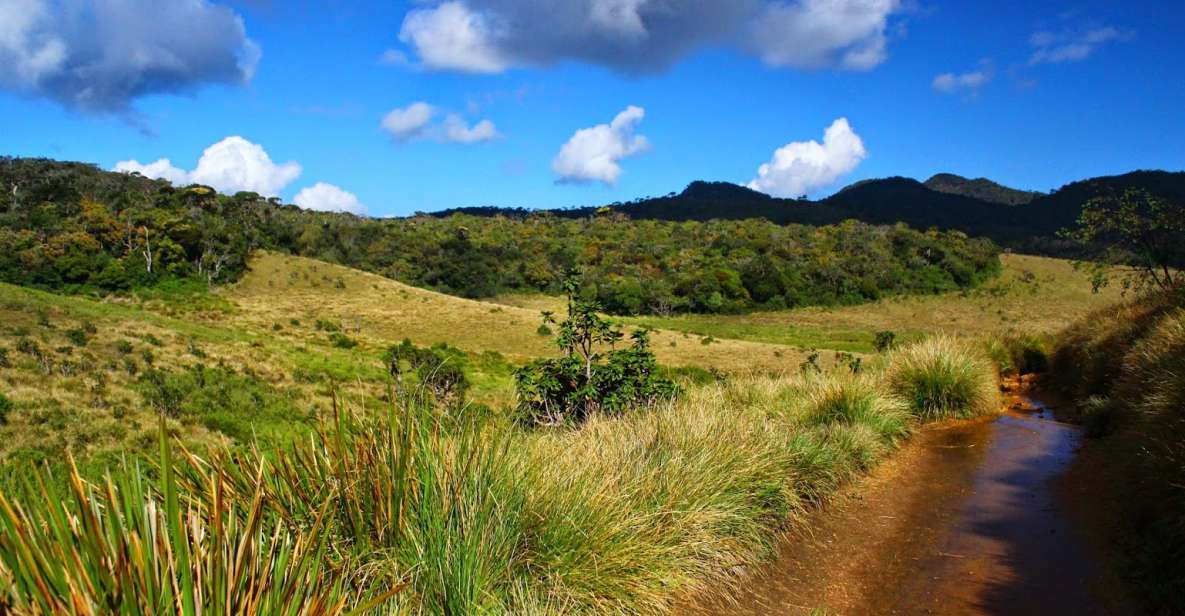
<point x="970" y="518"/>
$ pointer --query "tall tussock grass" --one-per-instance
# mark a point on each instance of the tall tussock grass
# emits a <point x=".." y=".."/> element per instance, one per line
<point x="428" y="511"/>
<point x="943" y="378"/>
<point x="1125" y="368"/>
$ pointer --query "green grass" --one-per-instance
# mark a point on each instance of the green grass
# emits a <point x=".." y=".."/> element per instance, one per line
<point x="436" y="511"/>
<point x="943" y="378"/>
<point x="1034" y="296"/>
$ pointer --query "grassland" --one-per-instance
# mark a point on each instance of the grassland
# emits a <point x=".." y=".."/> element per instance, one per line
<point x="621" y="516"/>
<point x="1033" y="295"/>
<point x="272" y="327"/>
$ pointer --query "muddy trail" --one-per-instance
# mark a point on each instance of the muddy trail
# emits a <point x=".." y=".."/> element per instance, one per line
<point x="993" y="516"/>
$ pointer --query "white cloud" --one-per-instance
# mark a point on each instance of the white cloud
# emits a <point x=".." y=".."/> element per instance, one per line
<point x="642" y="36"/>
<point x="452" y="36"/>
<point x="328" y="198"/>
<point x="162" y="169"/>
<point x="415" y="121"/>
<point x="1052" y="48"/>
<point x="229" y="166"/>
<point x="803" y="167"/>
<point x="594" y="154"/>
<point x="100" y="55"/>
<point x="457" y="131"/>
<point x="812" y="34"/>
<point x="406" y="123"/>
<point x="969" y="82"/>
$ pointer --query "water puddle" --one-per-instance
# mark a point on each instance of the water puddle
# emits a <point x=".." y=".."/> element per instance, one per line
<point x="964" y="521"/>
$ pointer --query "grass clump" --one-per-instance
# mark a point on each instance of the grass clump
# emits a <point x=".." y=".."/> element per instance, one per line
<point x="1124" y="367"/>
<point x="943" y="378"/>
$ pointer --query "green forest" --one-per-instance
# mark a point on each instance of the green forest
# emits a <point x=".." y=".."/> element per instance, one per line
<point x="73" y="227"/>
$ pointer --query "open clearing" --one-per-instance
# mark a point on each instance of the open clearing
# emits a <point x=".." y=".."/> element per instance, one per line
<point x="1033" y="295"/>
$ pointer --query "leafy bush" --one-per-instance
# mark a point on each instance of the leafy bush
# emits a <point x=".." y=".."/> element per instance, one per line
<point x="587" y="380"/>
<point x="884" y="341"/>
<point x="77" y="336"/>
<point x="942" y="377"/>
<point x="342" y="341"/>
<point x="237" y="405"/>
<point x="440" y="369"/>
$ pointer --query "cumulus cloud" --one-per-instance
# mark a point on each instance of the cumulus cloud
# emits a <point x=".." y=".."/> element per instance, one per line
<point x="803" y="167"/>
<point x="325" y="197"/>
<point x="594" y="154"/>
<point x="100" y="55"/>
<point x="417" y="121"/>
<point x="407" y="123"/>
<point x="643" y="36"/>
<point x="812" y="34"/>
<point x="162" y="169"/>
<point x="969" y="82"/>
<point x="229" y="166"/>
<point x="1053" y="48"/>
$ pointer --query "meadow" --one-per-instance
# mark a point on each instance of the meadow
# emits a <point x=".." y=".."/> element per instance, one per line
<point x="285" y="436"/>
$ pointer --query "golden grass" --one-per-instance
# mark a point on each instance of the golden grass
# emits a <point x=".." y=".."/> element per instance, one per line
<point x="382" y="311"/>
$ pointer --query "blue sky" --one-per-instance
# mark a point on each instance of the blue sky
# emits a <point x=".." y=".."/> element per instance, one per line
<point x="1032" y="94"/>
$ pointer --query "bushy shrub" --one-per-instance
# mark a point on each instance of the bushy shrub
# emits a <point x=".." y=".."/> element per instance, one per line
<point x="342" y="341"/>
<point x="439" y="369"/>
<point x="124" y="347"/>
<point x="586" y="379"/>
<point x="77" y="336"/>
<point x="884" y="341"/>
<point x="237" y="405"/>
<point x="943" y="377"/>
<point x="6" y="405"/>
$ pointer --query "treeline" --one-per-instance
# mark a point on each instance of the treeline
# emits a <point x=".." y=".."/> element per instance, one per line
<point x="72" y="226"/>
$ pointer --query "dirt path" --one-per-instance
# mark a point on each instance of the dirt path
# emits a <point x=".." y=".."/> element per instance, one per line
<point x="970" y="518"/>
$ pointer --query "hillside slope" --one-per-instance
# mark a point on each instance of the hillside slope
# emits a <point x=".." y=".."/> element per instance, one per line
<point x="379" y="311"/>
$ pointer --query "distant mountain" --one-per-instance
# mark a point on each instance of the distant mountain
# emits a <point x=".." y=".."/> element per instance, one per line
<point x="1018" y="219"/>
<point x="979" y="188"/>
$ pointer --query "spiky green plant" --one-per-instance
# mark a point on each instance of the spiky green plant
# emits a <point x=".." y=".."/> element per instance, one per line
<point x="130" y="547"/>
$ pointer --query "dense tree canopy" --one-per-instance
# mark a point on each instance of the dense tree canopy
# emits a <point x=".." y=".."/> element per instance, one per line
<point x="73" y="226"/>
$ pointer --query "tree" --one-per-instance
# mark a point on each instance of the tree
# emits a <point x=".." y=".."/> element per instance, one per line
<point x="1139" y="230"/>
<point x="587" y="379"/>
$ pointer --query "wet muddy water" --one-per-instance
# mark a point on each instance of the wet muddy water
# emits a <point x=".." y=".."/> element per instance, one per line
<point x="968" y="519"/>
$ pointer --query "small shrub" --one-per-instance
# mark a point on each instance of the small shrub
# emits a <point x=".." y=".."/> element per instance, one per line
<point x="438" y="369"/>
<point x="942" y="378"/>
<point x="277" y="327"/>
<point x="327" y="326"/>
<point x="810" y="365"/>
<point x="89" y="328"/>
<point x="884" y="341"/>
<point x="6" y="406"/>
<point x="342" y="341"/>
<point x="195" y="350"/>
<point x="43" y="318"/>
<point x="543" y="330"/>
<point x="124" y="347"/>
<point x="587" y="380"/>
<point x="4" y="361"/>
<point x="77" y="336"/>
<point x="153" y="340"/>
<point x="294" y="322"/>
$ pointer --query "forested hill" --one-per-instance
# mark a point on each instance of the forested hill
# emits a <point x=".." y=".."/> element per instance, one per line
<point x="1013" y="218"/>
<point x="74" y="227"/>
